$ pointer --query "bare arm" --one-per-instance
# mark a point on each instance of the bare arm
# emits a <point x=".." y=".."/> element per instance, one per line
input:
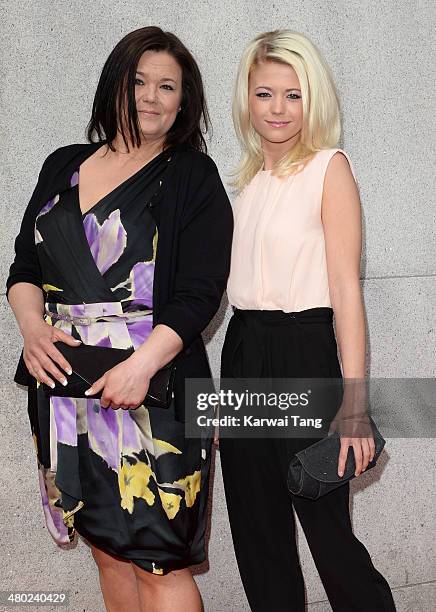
<point x="341" y="217"/>
<point x="27" y="303"/>
<point x="162" y="345"/>
<point x="40" y="355"/>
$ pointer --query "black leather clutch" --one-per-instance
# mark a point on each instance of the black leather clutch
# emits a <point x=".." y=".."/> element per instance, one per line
<point x="313" y="472"/>
<point x="89" y="363"/>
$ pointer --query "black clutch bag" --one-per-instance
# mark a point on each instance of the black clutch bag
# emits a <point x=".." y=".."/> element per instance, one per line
<point x="89" y="363"/>
<point x="313" y="472"/>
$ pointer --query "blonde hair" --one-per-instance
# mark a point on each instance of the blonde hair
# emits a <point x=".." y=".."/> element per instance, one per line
<point x="321" y="127"/>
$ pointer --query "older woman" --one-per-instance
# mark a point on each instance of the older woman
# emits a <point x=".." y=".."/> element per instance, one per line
<point x="126" y="243"/>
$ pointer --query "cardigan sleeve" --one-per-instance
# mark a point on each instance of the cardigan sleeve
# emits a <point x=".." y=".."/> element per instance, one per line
<point x="25" y="267"/>
<point x="203" y="261"/>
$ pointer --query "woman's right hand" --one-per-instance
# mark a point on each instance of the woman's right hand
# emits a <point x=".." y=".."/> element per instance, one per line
<point x="41" y="356"/>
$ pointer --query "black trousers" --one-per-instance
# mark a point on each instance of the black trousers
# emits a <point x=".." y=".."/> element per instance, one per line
<point x="278" y="344"/>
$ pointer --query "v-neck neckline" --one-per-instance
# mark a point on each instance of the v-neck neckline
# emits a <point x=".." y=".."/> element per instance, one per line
<point x="116" y="188"/>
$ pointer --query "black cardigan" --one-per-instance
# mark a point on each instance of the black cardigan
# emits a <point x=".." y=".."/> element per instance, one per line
<point x="195" y="223"/>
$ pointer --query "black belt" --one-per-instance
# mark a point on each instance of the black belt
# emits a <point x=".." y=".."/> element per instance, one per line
<point x="321" y="314"/>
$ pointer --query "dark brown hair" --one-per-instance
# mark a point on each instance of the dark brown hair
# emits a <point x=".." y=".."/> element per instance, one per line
<point x="117" y="83"/>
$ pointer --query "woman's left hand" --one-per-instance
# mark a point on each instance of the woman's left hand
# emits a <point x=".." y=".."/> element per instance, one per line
<point x="124" y="386"/>
<point x="364" y="450"/>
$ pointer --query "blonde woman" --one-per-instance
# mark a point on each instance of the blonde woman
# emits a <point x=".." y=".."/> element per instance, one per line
<point x="295" y="264"/>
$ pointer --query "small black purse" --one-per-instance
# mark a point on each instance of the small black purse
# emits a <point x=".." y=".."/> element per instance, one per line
<point x="89" y="363"/>
<point x="313" y="472"/>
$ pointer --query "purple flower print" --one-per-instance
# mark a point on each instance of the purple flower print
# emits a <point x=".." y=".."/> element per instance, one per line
<point x="142" y="281"/>
<point x="52" y="515"/>
<point x="74" y="179"/>
<point x="48" y="205"/>
<point x="107" y="241"/>
<point x="44" y="210"/>
<point x="64" y="409"/>
<point x="103" y="433"/>
<point x="140" y="330"/>
<point x="139" y="282"/>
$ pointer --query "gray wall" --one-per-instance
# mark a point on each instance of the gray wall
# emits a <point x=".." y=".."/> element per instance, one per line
<point x="382" y="58"/>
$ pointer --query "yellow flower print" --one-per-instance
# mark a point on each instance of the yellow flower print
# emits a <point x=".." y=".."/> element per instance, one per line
<point x="166" y="446"/>
<point x="68" y="517"/>
<point x="155" y="238"/>
<point x="133" y="482"/>
<point x="191" y="486"/>
<point x="47" y="287"/>
<point x="170" y="503"/>
<point x="156" y="569"/>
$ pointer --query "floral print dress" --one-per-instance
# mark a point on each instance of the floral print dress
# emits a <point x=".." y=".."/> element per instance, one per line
<point x="127" y="480"/>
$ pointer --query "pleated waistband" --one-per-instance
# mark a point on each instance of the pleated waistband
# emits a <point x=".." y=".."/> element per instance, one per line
<point x="320" y="314"/>
<point x="270" y="342"/>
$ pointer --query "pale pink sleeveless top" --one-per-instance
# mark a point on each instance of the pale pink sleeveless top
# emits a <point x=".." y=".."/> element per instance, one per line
<point x="278" y="256"/>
